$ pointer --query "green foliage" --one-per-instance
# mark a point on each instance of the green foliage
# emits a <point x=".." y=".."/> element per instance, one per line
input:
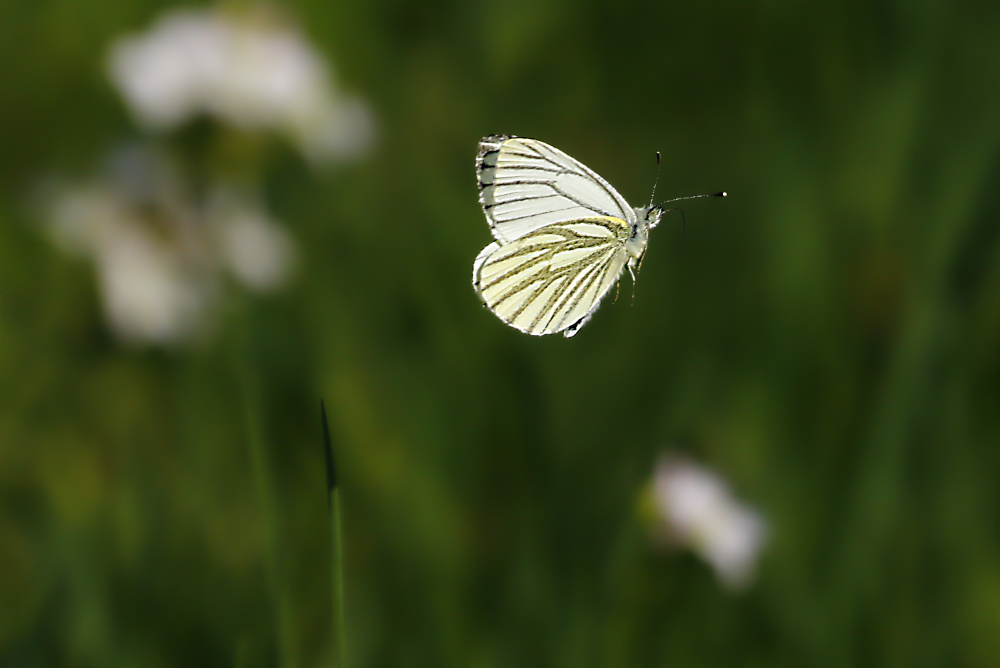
<point x="828" y="338"/>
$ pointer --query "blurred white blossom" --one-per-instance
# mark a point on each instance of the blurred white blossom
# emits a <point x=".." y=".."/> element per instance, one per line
<point x="696" y="509"/>
<point x="259" y="252"/>
<point x="250" y="69"/>
<point x="148" y="294"/>
<point x="160" y="257"/>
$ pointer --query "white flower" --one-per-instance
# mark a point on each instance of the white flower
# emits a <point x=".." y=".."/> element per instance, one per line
<point x="259" y="252"/>
<point x="698" y="510"/>
<point x="82" y="219"/>
<point x="344" y="130"/>
<point x="168" y="74"/>
<point x="159" y="257"/>
<point x="249" y="70"/>
<point x="149" y="293"/>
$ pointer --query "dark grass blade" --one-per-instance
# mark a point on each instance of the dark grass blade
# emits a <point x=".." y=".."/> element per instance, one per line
<point x="337" y="546"/>
<point x="331" y="465"/>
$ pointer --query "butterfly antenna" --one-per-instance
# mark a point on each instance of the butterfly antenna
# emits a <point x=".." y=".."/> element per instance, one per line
<point x="678" y="199"/>
<point x="684" y="222"/>
<point x="680" y="211"/>
<point x="655" y="182"/>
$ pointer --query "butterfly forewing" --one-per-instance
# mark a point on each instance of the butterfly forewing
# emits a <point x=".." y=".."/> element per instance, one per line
<point x="526" y="184"/>
<point x="551" y="279"/>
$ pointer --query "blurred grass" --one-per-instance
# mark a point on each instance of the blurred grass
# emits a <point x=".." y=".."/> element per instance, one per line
<point x="828" y="337"/>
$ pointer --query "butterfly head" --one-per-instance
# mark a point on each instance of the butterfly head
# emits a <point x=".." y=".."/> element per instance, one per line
<point x="647" y="217"/>
<point x="652" y="216"/>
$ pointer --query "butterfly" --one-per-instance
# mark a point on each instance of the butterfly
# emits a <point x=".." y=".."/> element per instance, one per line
<point x="563" y="236"/>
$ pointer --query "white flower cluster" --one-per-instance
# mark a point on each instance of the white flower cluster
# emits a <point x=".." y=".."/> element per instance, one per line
<point x="160" y="257"/>
<point x="697" y="510"/>
<point x="250" y="70"/>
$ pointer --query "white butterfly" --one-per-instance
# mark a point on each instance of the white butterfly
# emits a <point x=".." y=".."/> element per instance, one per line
<point x="563" y="236"/>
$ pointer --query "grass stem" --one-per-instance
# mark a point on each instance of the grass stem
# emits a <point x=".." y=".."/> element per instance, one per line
<point x="337" y="546"/>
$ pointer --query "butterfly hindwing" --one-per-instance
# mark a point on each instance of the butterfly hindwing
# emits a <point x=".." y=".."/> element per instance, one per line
<point x="553" y="278"/>
<point x="525" y="184"/>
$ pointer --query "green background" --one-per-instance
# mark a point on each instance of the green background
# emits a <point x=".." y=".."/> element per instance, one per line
<point x="827" y="339"/>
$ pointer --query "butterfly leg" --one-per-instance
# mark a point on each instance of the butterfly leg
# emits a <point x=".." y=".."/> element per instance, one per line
<point x="631" y="271"/>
